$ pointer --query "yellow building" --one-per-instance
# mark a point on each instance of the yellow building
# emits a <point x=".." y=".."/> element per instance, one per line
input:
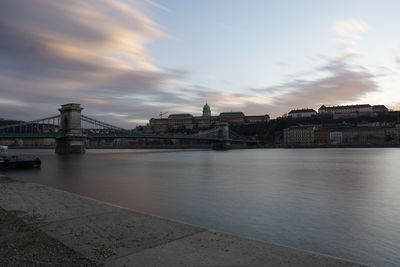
<point x="299" y="135"/>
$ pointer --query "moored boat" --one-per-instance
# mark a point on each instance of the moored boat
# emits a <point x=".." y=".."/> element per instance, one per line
<point x="17" y="161"/>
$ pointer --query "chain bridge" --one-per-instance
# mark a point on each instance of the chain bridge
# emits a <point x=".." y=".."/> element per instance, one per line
<point x="71" y="129"/>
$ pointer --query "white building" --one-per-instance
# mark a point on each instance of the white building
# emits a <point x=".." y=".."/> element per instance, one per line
<point x="380" y="108"/>
<point x="336" y="138"/>
<point x="345" y="109"/>
<point x="302" y="113"/>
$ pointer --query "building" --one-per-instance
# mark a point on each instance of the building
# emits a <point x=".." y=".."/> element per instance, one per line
<point x="345" y="109"/>
<point x="392" y="135"/>
<point x="235" y="117"/>
<point x="256" y="119"/>
<point x="380" y="109"/>
<point x="177" y="121"/>
<point x="322" y="137"/>
<point x="354" y="115"/>
<point x="186" y="121"/>
<point x="364" y="108"/>
<point x="206" y="111"/>
<point x="302" y="113"/>
<point x="299" y="135"/>
<point x="352" y="111"/>
<point x="364" y="136"/>
<point x="342" y="135"/>
<point x="336" y="137"/>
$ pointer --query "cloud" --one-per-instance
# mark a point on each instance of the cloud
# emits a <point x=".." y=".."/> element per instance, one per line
<point x="350" y="28"/>
<point x="395" y="106"/>
<point x="110" y="31"/>
<point x="342" y="83"/>
<point x="93" y="52"/>
<point x="335" y="82"/>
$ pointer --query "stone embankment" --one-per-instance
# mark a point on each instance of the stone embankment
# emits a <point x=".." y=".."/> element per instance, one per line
<point x="71" y="230"/>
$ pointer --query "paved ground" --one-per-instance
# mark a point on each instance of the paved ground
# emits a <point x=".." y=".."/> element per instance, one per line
<point x="55" y="225"/>
<point x="22" y="244"/>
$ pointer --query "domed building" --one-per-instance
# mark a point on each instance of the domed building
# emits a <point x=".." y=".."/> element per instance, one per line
<point x="206" y="111"/>
<point x="206" y="121"/>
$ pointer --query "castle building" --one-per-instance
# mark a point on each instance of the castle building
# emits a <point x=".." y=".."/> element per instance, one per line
<point x="182" y="121"/>
<point x="302" y="113"/>
<point x="206" y="111"/>
<point x="380" y="108"/>
<point x="364" y="108"/>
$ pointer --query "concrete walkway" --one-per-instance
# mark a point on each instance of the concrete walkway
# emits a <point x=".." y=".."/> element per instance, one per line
<point x="115" y="236"/>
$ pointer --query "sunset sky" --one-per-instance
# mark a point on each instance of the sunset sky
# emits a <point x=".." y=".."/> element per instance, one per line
<point x="126" y="61"/>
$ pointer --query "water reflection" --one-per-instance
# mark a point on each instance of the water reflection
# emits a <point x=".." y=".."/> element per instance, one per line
<point x="341" y="202"/>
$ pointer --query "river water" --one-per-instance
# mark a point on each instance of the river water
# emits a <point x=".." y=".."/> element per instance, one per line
<point x="339" y="202"/>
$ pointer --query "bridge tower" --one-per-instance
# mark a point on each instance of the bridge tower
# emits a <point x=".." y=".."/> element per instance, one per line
<point x="223" y="133"/>
<point x="72" y="139"/>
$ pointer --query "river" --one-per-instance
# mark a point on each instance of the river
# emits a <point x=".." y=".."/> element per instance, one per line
<point x="338" y="202"/>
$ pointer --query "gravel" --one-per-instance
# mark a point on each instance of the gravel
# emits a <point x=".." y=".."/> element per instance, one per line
<point x="21" y="244"/>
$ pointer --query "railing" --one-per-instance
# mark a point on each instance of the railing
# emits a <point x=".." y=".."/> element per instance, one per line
<point x="87" y="121"/>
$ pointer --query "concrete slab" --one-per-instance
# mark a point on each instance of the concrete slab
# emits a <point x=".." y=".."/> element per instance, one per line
<point x="214" y="248"/>
<point x="116" y="236"/>
<point x="47" y="204"/>
<point x="118" y="233"/>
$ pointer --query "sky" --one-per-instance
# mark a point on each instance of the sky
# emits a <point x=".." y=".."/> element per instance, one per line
<point x="126" y="61"/>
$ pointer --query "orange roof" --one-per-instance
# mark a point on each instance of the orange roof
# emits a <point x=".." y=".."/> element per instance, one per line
<point x="379" y="106"/>
<point x="346" y="106"/>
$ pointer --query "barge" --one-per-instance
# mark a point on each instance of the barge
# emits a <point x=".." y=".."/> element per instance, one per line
<point x="17" y="161"/>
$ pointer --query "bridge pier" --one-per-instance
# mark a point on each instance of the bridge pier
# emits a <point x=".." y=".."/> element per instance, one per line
<point x="223" y="133"/>
<point x="222" y="145"/>
<point x="70" y="145"/>
<point x="72" y="139"/>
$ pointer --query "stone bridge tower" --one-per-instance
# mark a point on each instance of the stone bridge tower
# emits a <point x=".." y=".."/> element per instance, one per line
<point x="72" y="139"/>
<point x="223" y="133"/>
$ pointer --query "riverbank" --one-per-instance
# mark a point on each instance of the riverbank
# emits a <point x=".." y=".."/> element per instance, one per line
<point x="22" y="244"/>
<point x="94" y="232"/>
<point x="207" y="147"/>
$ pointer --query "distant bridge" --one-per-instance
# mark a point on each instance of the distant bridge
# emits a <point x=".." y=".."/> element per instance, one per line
<point x="70" y="129"/>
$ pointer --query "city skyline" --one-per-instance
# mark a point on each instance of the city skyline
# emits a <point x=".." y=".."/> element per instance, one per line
<point x="127" y="61"/>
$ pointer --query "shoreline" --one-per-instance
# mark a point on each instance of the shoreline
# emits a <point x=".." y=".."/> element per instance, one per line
<point x="122" y="236"/>
<point x="188" y="148"/>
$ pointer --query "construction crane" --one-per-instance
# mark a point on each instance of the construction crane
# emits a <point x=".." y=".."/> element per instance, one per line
<point x="162" y="113"/>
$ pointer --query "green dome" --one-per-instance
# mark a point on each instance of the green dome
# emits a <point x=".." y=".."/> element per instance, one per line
<point x="206" y="107"/>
